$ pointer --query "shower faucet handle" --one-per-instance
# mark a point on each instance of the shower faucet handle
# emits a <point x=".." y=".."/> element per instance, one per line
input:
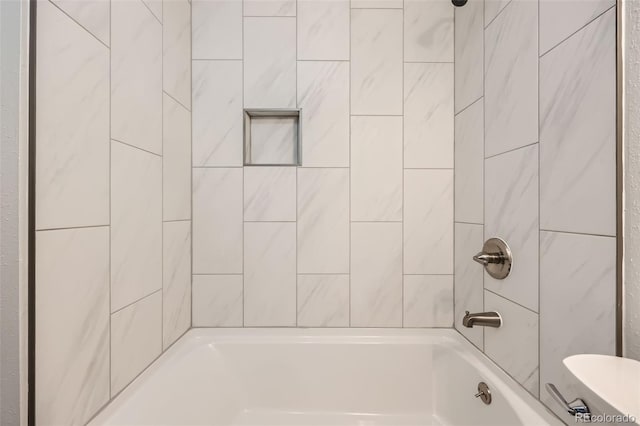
<point x="496" y="258"/>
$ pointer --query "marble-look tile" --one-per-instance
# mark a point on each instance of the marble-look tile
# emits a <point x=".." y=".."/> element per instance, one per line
<point x="561" y="18"/>
<point x="428" y="221"/>
<point x="514" y="346"/>
<point x="376" y="275"/>
<point x="428" y="301"/>
<point x="323" y="29"/>
<point x="376" y="168"/>
<point x="269" y="274"/>
<point x="511" y="213"/>
<point x="511" y="78"/>
<point x="136" y="76"/>
<point x="93" y="15"/>
<point x="492" y="8"/>
<point x="578" y="132"/>
<point x="176" y="39"/>
<point x="577" y="303"/>
<point x="323" y="96"/>
<point x="469" y="284"/>
<point x="176" y="280"/>
<point x="72" y="323"/>
<point x="270" y="62"/>
<point x="323" y="300"/>
<point x="217" y="221"/>
<point x="273" y="141"/>
<point x="156" y="7"/>
<point x="269" y="7"/>
<point x="469" y="160"/>
<point x="469" y="51"/>
<point x="377" y="4"/>
<point x="217" y="113"/>
<point x="376" y="62"/>
<point x="176" y="160"/>
<point x="136" y="224"/>
<point x="323" y="221"/>
<point x="136" y="339"/>
<point x="216" y="29"/>
<point x="270" y="194"/>
<point x="428" y="31"/>
<point x="428" y="116"/>
<point x="72" y="173"/>
<point x="217" y="301"/>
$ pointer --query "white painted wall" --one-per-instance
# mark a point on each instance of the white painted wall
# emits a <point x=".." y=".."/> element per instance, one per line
<point x="632" y="181"/>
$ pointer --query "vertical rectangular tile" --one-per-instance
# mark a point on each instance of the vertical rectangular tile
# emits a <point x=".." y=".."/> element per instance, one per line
<point x="376" y="62"/>
<point x="428" y="116"/>
<point x="136" y="224"/>
<point x="559" y="19"/>
<point x="270" y="62"/>
<point x="156" y="8"/>
<point x="323" y="96"/>
<point x="176" y="280"/>
<point x="323" y="221"/>
<point x="514" y="346"/>
<point x="217" y="221"/>
<point x="323" y="300"/>
<point x="136" y="76"/>
<point x="376" y="168"/>
<point x="176" y="40"/>
<point x="216" y="29"/>
<point x="428" y="221"/>
<point x="469" y="284"/>
<point x="269" y="7"/>
<point x="511" y="78"/>
<point x="217" y="301"/>
<point x="578" y="131"/>
<point x="469" y="159"/>
<point x="492" y="9"/>
<point x="217" y="113"/>
<point x="94" y="15"/>
<point x="270" y="194"/>
<point x="428" y="301"/>
<point x="511" y="213"/>
<point x="136" y="340"/>
<point x="72" y="323"/>
<point x="270" y="274"/>
<point x="577" y="303"/>
<point x="469" y="54"/>
<point x="72" y="129"/>
<point x="176" y="161"/>
<point x="376" y="274"/>
<point x="428" y="31"/>
<point x="323" y="29"/>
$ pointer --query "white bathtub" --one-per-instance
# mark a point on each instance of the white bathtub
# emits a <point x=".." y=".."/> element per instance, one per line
<point x="322" y="377"/>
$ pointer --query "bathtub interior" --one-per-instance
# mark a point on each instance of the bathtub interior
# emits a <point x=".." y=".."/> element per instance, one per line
<point x="244" y="377"/>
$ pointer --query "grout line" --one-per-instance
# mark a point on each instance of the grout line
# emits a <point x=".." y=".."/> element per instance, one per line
<point x="191" y="158"/>
<point x="539" y="168"/>
<point x="512" y="301"/>
<point x="136" y="301"/>
<point x="453" y="218"/>
<point x="72" y="227"/>
<point x="585" y="234"/>
<point x="150" y="11"/>
<point x="511" y="150"/>
<point x="172" y="97"/>
<point x="84" y="28"/>
<point x="176" y="220"/>
<point x="470" y="105"/>
<point x="402" y="189"/>
<point x="350" y="297"/>
<point x="137" y="147"/>
<point x="162" y="182"/>
<point x="498" y="14"/>
<point x="214" y="60"/>
<point x="570" y="35"/>
<point x="243" y="235"/>
<point x="468" y="223"/>
<point x="110" y="206"/>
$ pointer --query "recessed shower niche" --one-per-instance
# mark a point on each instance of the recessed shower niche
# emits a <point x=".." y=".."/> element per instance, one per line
<point x="272" y="137"/>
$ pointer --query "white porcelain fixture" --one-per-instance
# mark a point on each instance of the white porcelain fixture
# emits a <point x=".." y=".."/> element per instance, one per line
<point x="613" y="379"/>
<point x="325" y="377"/>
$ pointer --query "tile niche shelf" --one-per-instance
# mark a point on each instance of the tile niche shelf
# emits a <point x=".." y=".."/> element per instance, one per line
<point x="272" y="137"/>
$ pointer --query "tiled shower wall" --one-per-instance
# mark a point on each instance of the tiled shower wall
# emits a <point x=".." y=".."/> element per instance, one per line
<point x="113" y="196"/>
<point x="362" y="233"/>
<point x="535" y="124"/>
